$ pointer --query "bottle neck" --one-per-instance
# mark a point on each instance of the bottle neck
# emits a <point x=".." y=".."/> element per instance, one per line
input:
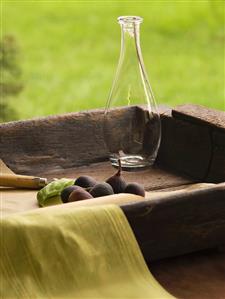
<point x="130" y="38"/>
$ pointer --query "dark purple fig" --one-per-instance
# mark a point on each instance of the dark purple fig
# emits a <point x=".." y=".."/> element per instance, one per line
<point x="85" y="181"/>
<point x="66" y="192"/>
<point x="79" y="194"/>
<point x="117" y="181"/>
<point x="135" y="188"/>
<point x="101" y="189"/>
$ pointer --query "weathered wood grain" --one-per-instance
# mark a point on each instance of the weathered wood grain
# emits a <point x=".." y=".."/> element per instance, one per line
<point x="56" y="141"/>
<point x="194" y="276"/>
<point x="216" y="171"/>
<point x="185" y="147"/>
<point x="194" y="144"/>
<point x="180" y="223"/>
<point x="66" y="141"/>
<point x="153" y="178"/>
<point x="200" y="115"/>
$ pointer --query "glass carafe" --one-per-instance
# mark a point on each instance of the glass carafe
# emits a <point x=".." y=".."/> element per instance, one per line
<point x="132" y="128"/>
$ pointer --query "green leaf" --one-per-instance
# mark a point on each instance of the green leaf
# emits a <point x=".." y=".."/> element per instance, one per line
<point x="50" y="194"/>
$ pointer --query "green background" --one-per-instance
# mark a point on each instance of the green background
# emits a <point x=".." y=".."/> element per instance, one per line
<point x="69" y="51"/>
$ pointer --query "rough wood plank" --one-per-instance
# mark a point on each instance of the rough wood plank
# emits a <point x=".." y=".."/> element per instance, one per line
<point x="55" y="141"/>
<point x="179" y="224"/>
<point x="185" y="147"/>
<point x="65" y="141"/>
<point x="200" y="115"/>
<point x="153" y="178"/>
<point x="195" y="276"/>
<point x="213" y="123"/>
<point x="216" y="171"/>
<point x="70" y="140"/>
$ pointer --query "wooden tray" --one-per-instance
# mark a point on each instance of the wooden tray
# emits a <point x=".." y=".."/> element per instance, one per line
<point x="192" y="151"/>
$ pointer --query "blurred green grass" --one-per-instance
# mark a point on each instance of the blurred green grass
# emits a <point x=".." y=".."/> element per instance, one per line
<point x="70" y="49"/>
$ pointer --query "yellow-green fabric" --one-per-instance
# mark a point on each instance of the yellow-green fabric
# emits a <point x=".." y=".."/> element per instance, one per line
<point x="87" y="252"/>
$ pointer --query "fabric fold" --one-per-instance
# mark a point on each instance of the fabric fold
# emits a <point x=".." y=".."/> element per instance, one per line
<point x="87" y="252"/>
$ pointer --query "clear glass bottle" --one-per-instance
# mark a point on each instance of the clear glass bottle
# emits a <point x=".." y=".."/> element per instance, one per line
<point x="137" y="143"/>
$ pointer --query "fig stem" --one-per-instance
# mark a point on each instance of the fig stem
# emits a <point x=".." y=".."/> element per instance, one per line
<point x="120" y="168"/>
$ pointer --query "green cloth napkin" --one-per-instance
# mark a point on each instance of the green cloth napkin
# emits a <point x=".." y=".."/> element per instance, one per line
<point x="74" y="253"/>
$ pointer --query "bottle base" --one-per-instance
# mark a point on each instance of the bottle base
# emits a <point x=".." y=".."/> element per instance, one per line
<point x="132" y="162"/>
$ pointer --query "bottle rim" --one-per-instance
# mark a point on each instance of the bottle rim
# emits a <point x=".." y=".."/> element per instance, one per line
<point x="130" y="20"/>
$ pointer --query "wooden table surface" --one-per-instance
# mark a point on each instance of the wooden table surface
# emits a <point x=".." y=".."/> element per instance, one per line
<point x="198" y="275"/>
